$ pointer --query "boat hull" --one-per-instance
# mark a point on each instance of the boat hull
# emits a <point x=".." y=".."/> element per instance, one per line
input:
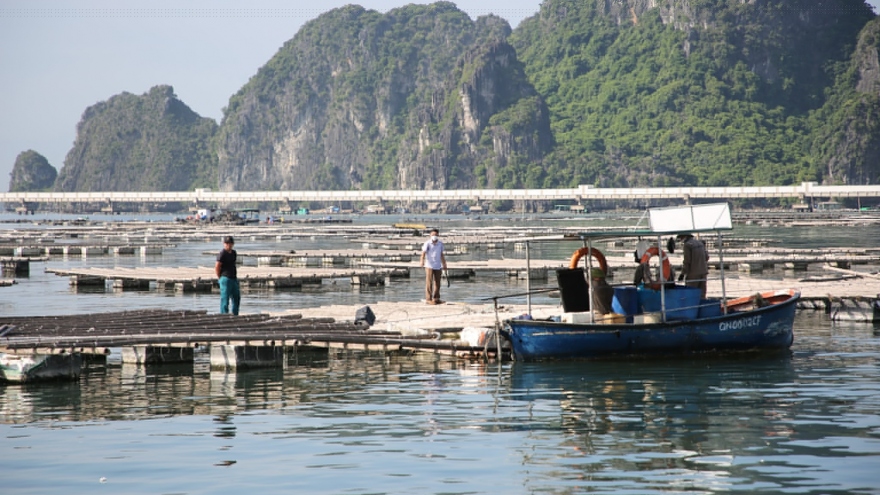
<point x="765" y="328"/>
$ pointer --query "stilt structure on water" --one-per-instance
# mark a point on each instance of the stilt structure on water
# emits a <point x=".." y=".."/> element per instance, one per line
<point x="35" y="348"/>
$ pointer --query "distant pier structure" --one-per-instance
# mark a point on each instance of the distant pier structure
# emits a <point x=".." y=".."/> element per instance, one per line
<point x="805" y="193"/>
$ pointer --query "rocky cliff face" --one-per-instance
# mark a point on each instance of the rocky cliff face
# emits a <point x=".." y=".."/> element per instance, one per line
<point x="152" y="142"/>
<point x="488" y="115"/>
<point x="423" y="97"/>
<point x="867" y="59"/>
<point x="405" y="100"/>
<point x="850" y="148"/>
<point x="32" y="172"/>
<point x="683" y="15"/>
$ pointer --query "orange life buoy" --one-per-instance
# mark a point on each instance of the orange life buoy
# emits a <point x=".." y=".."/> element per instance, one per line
<point x="595" y="253"/>
<point x="664" y="261"/>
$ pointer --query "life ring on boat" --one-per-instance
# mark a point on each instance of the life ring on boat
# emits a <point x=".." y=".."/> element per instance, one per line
<point x="595" y="253"/>
<point x="664" y="261"/>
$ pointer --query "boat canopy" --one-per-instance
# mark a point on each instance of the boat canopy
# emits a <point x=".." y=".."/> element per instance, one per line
<point x="688" y="219"/>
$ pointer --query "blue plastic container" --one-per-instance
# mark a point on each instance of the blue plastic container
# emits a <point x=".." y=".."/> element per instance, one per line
<point x="626" y="301"/>
<point x="682" y="303"/>
<point x="710" y="308"/>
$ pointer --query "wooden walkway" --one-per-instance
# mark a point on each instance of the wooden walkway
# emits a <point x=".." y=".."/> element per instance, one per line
<point x="203" y="279"/>
<point x="399" y="327"/>
<point x="83" y="250"/>
<point x="319" y="257"/>
<point x="313" y="267"/>
<point x="622" y="267"/>
<point x="98" y="333"/>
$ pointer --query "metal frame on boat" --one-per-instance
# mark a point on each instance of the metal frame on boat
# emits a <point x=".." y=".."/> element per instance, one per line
<point x="759" y="322"/>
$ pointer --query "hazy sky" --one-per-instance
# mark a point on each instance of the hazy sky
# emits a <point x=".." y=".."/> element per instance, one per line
<point x="58" y="57"/>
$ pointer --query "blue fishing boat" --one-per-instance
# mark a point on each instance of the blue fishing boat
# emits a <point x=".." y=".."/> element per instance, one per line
<point x="662" y="318"/>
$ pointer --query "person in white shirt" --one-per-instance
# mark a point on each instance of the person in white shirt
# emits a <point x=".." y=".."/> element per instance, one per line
<point x="433" y="260"/>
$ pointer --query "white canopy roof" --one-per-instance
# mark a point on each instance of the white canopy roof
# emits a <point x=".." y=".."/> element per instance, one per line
<point x="690" y="218"/>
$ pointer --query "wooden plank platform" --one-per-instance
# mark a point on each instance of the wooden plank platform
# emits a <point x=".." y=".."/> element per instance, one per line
<point x="454" y="243"/>
<point x="203" y="278"/>
<point x="84" y="250"/>
<point x="324" y="257"/>
<point x="540" y="269"/>
<point x="622" y="266"/>
<point x="98" y="333"/>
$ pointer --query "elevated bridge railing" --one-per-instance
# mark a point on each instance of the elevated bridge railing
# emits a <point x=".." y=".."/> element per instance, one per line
<point x="805" y="190"/>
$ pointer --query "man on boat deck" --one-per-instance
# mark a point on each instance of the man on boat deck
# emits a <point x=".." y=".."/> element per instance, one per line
<point x="227" y="277"/>
<point x="642" y="273"/>
<point x="432" y="254"/>
<point x="603" y="294"/>
<point x="695" y="267"/>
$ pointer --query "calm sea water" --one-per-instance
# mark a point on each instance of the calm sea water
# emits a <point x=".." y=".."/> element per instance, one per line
<point x="805" y="421"/>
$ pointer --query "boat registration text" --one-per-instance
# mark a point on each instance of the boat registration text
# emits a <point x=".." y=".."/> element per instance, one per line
<point x="739" y="324"/>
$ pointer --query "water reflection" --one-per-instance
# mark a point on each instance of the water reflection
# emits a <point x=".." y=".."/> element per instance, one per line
<point x="125" y="391"/>
<point x="798" y="422"/>
<point x="748" y="423"/>
<point x="341" y="422"/>
<point x="693" y="405"/>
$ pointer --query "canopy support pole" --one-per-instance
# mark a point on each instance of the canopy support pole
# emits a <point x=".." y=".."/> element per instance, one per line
<point x="660" y="254"/>
<point x="528" y="279"/>
<point x="721" y="269"/>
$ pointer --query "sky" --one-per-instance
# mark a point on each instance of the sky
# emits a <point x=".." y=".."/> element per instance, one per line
<point x="58" y="57"/>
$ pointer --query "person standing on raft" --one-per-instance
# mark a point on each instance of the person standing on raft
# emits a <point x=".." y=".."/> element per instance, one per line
<point x="433" y="260"/>
<point x="227" y="276"/>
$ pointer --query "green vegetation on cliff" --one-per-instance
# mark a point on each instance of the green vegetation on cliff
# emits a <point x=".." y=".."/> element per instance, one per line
<point x="707" y="93"/>
<point x="846" y="130"/>
<point x="31" y="173"/>
<point x="359" y="99"/>
<point x="151" y="142"/>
